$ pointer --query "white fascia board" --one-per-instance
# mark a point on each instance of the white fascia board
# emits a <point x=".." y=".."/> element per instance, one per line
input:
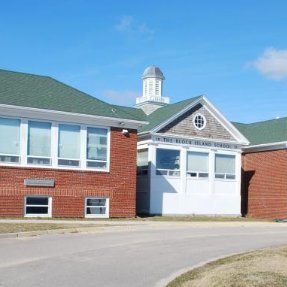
<point x="226" y="123"/>
<point x="197" y="138"/>
<point x="265" y="147"/>
<point x="218" y="115"/>
<point x="52" y="115"/>
<point x="175" y="116"/>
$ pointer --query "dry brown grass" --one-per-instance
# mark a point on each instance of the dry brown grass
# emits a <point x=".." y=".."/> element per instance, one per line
<point x="261" y="268"/>
<point x="25" y="227"/>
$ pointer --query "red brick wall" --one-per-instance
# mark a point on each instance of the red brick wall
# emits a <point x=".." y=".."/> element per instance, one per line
<point x="71" y="187"/>
<point x="264" y="184"/>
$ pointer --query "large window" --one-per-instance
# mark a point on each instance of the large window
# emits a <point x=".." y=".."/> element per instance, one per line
<point x="97" y="207"/>
<point x="38" y="206"/>
<point x="142" y="162"/>
<point x="224" y="166"/>
<point x="97" y="151"/>
<point x="47" y="144"/>
<point x="39" y="143"/>
<point x="10" y="140"/>
<point x="69" y="145"/>
<point x="197" y="164"/>
<point x="167" y="162"/>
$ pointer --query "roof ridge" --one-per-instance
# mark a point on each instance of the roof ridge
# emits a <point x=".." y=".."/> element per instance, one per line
<point x="265" y="121"/>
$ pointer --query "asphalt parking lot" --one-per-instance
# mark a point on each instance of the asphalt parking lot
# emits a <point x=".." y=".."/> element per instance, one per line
<point x="136" y="254"/>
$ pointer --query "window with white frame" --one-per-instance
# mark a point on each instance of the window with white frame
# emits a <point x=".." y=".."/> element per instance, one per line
<point x="39" y="143"/>
<point x="40" y="149"/>
<point x="69" y="145"/>
<point x="97" y="148"/>
<point x="96" y="207"/>
<point x="38" y="206"/>
<point x="10" y="140"/>
<point x="197" y="164"/>
<point x="167" y="162"/>
<point x="224" y="166"/>
<point x="142" y="162"/>
<point x="199" y="121"/>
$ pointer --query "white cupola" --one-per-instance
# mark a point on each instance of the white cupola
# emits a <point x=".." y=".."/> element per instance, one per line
<point x="152" y="98"/>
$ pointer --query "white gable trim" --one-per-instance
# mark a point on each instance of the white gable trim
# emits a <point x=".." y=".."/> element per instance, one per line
<point x="214" y="112"/>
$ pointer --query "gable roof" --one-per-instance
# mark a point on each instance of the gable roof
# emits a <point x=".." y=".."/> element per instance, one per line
<point x="164" y="113"/>
<point x="270" y="131"/>
<point x="41" y="92"/>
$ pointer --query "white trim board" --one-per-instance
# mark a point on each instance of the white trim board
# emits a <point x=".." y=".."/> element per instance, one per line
<point x="214" y="112"/>
<point x="52" y="115"/>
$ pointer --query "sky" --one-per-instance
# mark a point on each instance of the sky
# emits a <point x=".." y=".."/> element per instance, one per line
<point x="233" y="52"/>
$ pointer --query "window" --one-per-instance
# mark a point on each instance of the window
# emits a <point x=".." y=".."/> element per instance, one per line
<point x="39" y="143"/>
<point x="97" y="207"/>
<point x="38" y="206"/>
<point x="10" y="140"/>
<point x="224" y="166"/>
<point x="199" y="121"/>
<point x="142" y="162"/>
<point x="97" y="143"/>
<point x="69" y="145"/>
<point x="167" y="162"/>
<point x="197" y="164"/>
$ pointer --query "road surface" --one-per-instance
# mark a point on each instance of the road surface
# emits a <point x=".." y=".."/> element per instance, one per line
<point x="142" y="254"/>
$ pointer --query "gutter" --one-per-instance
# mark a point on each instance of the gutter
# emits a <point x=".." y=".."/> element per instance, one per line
<point x="11" y="110"/>
<point x="265" y="147"/>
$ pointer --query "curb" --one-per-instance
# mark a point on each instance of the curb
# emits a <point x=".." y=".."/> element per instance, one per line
<point x="55" y="231"/>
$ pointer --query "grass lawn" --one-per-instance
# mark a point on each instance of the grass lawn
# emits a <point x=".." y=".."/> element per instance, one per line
<point x="260" y="268"/>
<point x="24" y="227"/>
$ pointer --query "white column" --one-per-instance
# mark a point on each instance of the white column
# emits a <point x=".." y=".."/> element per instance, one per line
<point x="54" y="144"/>
<point x="83" y="146"/>
<point x="211" y="171"/>
<point x="23" y="141"/>
<point x="183" y="155"/>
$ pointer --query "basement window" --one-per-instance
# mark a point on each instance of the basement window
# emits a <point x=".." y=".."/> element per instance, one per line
<point x="38" y="206"/>
<point x="97" y="207"/>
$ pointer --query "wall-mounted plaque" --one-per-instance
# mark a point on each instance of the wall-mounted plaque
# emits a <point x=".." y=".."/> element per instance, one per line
<point x="39" y="182"/>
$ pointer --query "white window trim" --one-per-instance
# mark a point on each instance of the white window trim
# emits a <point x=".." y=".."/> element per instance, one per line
<point x="106" y="215"/>
<point x="27" y="140"/>
<point x="204" y="119"/>
<point x="49" y="214"/>
<point x="188" y="177"/>
<point x="168" y="170"/>
<point x="23" y="156"/>
<point x="225" y="174"/>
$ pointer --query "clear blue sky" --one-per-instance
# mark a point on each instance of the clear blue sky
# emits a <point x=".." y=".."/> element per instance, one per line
<point x="234" y="52"/>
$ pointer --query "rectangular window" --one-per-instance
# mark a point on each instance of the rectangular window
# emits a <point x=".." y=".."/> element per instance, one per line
<point x="97" y="148"/>
<point x="197" y="164"/>
<point x="38" y="206"/>
<point x="142" y="162"/>
<point x="10" y="140"/>
<point x="69" y="145"/>
<point x="97" y="207"/>
<point x="167" y="162"/>
<point x="39" y="143"/>
<point x="224" y="166"/>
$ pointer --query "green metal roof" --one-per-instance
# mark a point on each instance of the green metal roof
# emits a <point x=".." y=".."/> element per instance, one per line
<point x="264" y="132"/>
<point x="164" y="113"/>
<point x="27" y="90"/>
